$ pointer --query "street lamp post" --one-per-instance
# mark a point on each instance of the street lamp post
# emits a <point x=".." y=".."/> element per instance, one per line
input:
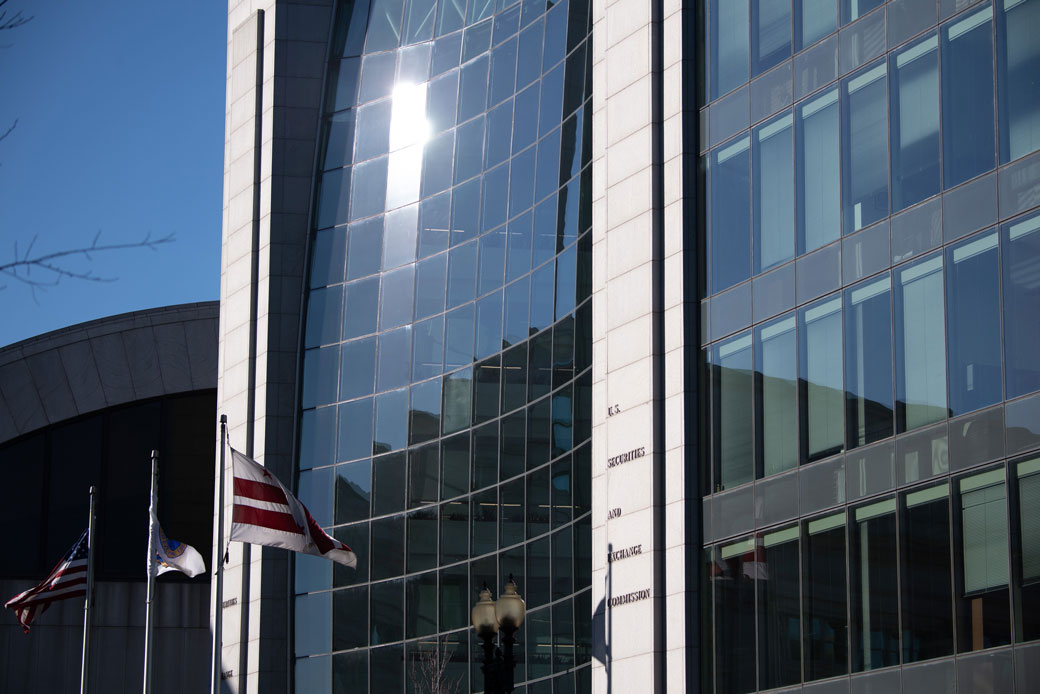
<point x="489" y="617"/>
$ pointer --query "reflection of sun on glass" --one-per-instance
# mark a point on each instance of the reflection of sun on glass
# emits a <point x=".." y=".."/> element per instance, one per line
<point x="408" y="124"/>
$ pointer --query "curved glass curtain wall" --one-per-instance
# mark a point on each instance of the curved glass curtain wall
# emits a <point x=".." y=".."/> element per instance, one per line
<point x="870" y="243"/>
<point x="446" y="395"/>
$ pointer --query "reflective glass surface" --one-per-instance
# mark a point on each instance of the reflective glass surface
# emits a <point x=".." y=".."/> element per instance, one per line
<point x="451" y="256"/>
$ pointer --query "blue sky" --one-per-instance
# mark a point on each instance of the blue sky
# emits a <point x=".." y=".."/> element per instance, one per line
<point x="120" y="110"/>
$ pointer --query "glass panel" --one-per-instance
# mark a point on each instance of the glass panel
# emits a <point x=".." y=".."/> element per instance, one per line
<point x="359" y="376"/>
<point x="333" y="198"/>
<point x="779" y="653"/>
<point x="874" y="586"/>
<point x="391" y="421"/>
<point x="389" y="488"/>
<point x="355" y="430"/>
<point x="824" y="599"/>
<point x="428" y="348"/>
<point x="350" y="618"/>
<point x="821" y="369"/>
<point x="387" y="664"/>
<point x="1026" y="547"/>
<point x="854" y="9"/>
<point x="1018" y="77"/>
<point x="967" y="96"/>
<point x="388" y="536"/>
<point x="915" y="122"/>
<point x="813" y="20"/>
<point x="420" y="604"/>
<point x="365" y="248"/>
<point x="485" y="456"/>
<point x="353" y="491"/>
<point x="394" y="358"/>
<point x="818" y="172"/>
<point x="920" y="345"/>
<point x="457" y="400"/>
<point x="973" y="327"/>
<point x="387" y="612"/>
<point x="454" y="531"/>
<point x="728" y="24"/>
<point x="327" y="257"/>
<point x="455" y="466"/>
<point x="359" y="308"/>
<point x="774" y="193"/>
<point x="423" y="476"/>
<point x="733" y="411"/>
<point x="373" y="130"/>
<point x="395" y="306"/>
<point x="733" y="576"/>
<point x="455" y="598"/>
<point x="981" y="561"/>
<point x="868" y="362"/>
<point x="927" y="610"/>
<point x="776" y="377"/>
<point x="1021" y="240"/>
<point x="770" y="33"/>
<point x="864" y="148"/>
<point x="458" y="337"/>
<point x="730" y="207"/>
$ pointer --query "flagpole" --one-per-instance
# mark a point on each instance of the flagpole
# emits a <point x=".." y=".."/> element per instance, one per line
<point x="84" y="668"/>
<point x="152" y="549"/>
<point x="218" y="554"/>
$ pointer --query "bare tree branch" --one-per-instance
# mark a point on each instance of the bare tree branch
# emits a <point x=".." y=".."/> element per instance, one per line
<point x="14" y="21"/>
<point x="51" y="268"/>
<point x="8" y="131"/>
<point x="429" y="670"/>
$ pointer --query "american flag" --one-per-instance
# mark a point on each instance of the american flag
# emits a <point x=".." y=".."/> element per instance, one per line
<point x="266" y="513"/>
<point x="66" y="580"/>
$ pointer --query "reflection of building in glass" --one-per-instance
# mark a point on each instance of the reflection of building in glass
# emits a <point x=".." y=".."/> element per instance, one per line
<point x="755" y="318"/>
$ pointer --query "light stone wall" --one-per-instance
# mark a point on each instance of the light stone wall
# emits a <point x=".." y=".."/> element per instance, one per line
<point x="267" y="195"/>
<point x="623" y="360"/>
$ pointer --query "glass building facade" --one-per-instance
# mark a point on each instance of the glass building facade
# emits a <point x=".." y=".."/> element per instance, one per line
<point x="445" y="403"/>
<point x="870" y="293"/>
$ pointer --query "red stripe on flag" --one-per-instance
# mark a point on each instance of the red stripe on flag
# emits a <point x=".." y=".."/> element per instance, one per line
<point x="259" y="491"/>
<point x="265" y="519"/>
<point x="47" y="599"/>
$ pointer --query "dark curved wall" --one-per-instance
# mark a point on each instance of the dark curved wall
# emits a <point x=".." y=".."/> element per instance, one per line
<point x="446" y="393"/>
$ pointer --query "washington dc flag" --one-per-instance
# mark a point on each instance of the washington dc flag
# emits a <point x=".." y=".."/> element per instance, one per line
<point x="266" y="513"/>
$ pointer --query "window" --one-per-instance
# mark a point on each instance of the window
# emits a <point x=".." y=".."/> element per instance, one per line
<point x="981" y="543"/>
<point x="775" y="564"/>
<point x="728" y="22"/>
<point x="730" y="214"/>
<point x="773" y="193"/>
<point x="868" y="361"/>
<point x="1018" y="77"/>
<point x="915" y="122"/>
<point x="818" y="172"/>
<point x="1021" y="241"/>
<point x="920" y="344"/>
<point x="734" y="575"/>
<point x="873" y="575"/>
<point x="967" y="96"/>
<point x="1026" y="547"/>
<point x="864" y="147"/>
<point x="927" y="598"/>
<point x="733" y="411"/>
<point x="825" y="626"/>
<point x="776" y="394"/>
<point x="973" y="326"/>
<point x="770" y="33"/>
<point x="820" y="387"/>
